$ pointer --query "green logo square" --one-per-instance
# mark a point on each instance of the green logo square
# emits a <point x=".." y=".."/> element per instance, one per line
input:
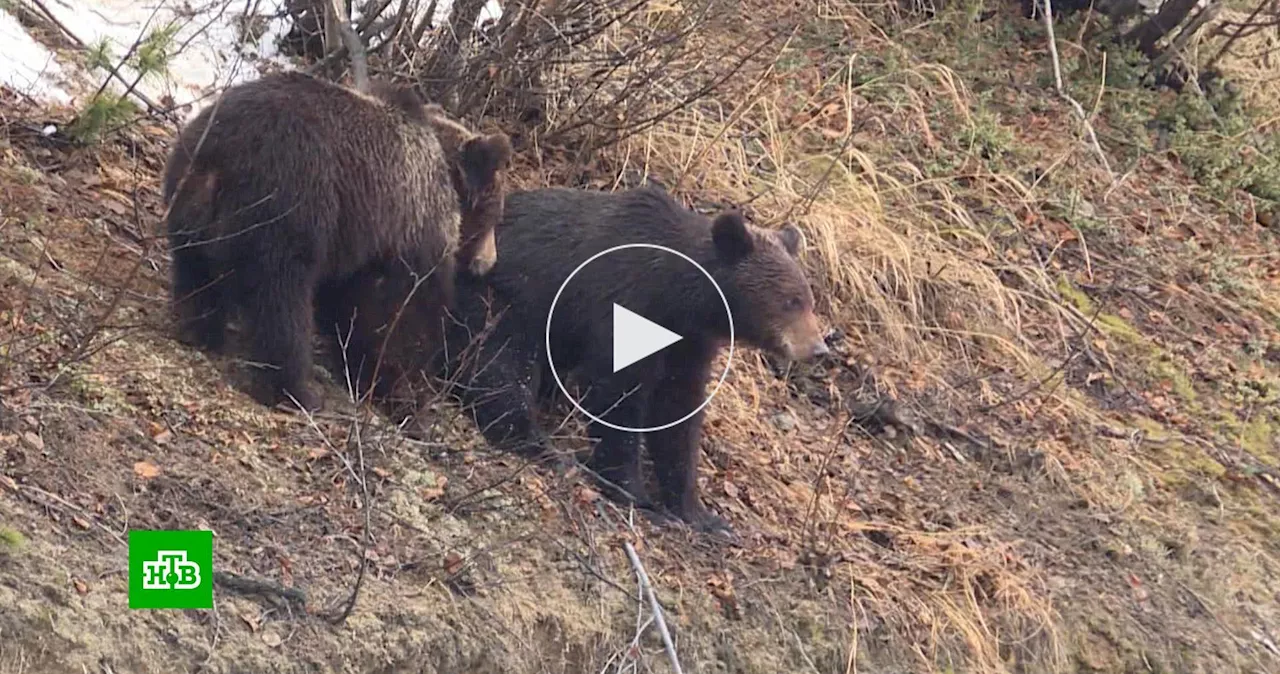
<point x="171" y="569"/>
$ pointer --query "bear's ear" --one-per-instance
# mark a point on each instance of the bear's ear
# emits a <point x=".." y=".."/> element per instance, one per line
<point x="792" y="239"/>
<point x="483" y="157"/>
<point x="733" y="240"/>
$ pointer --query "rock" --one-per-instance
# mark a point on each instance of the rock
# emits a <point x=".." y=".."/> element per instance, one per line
<point x="33" y="441"/>
<point x="785" y="421"/>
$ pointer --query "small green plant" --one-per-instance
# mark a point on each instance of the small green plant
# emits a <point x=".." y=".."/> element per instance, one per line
<point x="99" y="55"/>
<point x="986" y="135"/>
<point x="1215" y="138"/>
<point x="108" y="110"/>
<point x="153" y="53"/>
<point x="104" y="111"/>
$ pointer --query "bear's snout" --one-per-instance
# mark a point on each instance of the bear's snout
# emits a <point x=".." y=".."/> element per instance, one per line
<point x="486" y="256"/>
<point x="803" y="339"/>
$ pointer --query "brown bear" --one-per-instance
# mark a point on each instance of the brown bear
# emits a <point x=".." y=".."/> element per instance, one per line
<point x="290" y="186"/>
<point x="504" y="374"/>
<point x="357" y="315"/>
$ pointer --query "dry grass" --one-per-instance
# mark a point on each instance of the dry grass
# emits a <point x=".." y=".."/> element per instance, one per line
<point x="935" y="293"/>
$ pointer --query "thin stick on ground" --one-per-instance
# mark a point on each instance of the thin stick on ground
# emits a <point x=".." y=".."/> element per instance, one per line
<point x="654" y="606"/>
<point x="252" y="586"/>
<point x="360" y="475"/>
<point x="366" y="540"/>
<point x="1062" y="93"/>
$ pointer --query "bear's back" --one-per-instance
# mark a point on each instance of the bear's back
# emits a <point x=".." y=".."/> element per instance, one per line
<point x="561" y="228"/>
<point x="366" y="172"/>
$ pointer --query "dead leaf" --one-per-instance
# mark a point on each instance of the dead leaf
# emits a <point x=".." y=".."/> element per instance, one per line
<point x="730" y="489"/>
<point x="452" y="563"/>
<point x="80" y="522"/>
<point x="162" y="436"/>
<point x="146" y="470"/>
<point x="251" y="621"/>
<point x="272" y="639"/>
<point x="1140" y="593"/>
<point x="585" y="495"/>
<point x="381" y="472"/>
<point x="81" y="586"/>
<point x="9" y="482"/>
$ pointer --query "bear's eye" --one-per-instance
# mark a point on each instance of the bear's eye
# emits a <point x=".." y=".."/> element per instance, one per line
<point x="794" y="304"/>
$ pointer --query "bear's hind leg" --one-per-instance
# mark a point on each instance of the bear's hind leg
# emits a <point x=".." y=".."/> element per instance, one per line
<point x="279" y="320"/>
<point x="198" y="299"/>
<point x="615" y="458"/>
<point x="493" y="375"/>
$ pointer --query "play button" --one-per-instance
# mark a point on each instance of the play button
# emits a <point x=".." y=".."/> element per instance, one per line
<point x="636" y="337"/>
<point x="603" y="302"/>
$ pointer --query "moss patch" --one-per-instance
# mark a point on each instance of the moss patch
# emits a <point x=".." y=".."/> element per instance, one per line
<point x="1258" y="438"/>
<point x="11" y="540"/>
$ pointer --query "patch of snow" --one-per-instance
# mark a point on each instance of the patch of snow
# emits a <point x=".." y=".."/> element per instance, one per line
<point x="27" y="66"/>
<point x="207" y="54"/>
<point x="492" y="11"/>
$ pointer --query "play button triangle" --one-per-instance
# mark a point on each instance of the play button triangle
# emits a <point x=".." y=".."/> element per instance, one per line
<point x="636" y="337"/>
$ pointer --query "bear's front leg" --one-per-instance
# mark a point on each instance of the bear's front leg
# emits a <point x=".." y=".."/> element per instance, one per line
<point x="675" y="460"/>
<point x="675" y="450"/>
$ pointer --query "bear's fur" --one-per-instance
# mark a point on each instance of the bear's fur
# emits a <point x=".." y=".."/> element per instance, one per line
<point x="289" y="185"/>
<point x="357" y="315"/>
<point x="544" y="236"/>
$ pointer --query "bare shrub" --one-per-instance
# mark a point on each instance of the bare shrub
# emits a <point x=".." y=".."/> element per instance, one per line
<point x="594" y="70"/>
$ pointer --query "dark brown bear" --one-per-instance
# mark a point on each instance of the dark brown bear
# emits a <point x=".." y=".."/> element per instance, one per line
<point x="290" y="184"/>
<point x="545" y="235"/>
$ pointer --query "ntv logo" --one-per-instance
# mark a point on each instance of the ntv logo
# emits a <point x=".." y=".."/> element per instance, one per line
<point x="170" y="571"/>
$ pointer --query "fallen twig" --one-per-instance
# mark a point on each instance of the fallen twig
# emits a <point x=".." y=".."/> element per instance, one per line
<point x="51" y="500"/>
<point x="1062" y="93"/>
<point x="242" y="585"/>
<point x="360" y="475"/>
<point x="654" y="606"/>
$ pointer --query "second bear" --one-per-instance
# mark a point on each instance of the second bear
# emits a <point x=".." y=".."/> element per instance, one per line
<point x="544" y="236"/>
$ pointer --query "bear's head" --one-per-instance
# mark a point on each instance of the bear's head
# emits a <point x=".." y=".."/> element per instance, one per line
<point x="477" y="166"/>
<point x="767" y="290"/>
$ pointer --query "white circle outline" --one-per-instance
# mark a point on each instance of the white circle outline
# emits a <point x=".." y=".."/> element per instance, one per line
<point x="551" y="361"/>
